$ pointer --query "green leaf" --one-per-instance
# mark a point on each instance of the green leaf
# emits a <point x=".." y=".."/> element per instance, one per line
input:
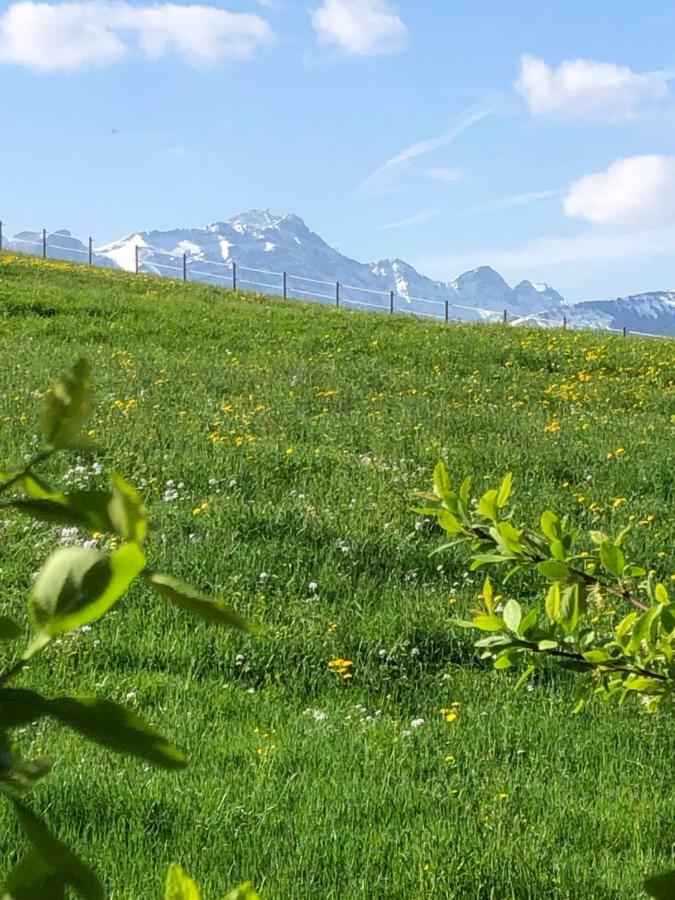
<point x="87" y="509"/>
<point x="20" y="775"/>
<point x="32" y="879"/>
<point x="547" y="644"/>
<point x="554" y="570"/>
<point x="485" y="559"/>
<point x="56" y="857"/>
<point x="115" y="727"/>
<point x="179" y="886"/>
<point x="488" y="623"/>
<point x="550" y="525"/>
<point x="9" y="629"/>
<point x="527" y="674"/>
<point x="661" y="887"/>
<point x="465" y="492"/>
<point x="512" y="615"/>
<point x="442" y="481"/>
<point x="529" y="621"/>
<point x="66" y="408"/>
<point x="106" y="723"/>
<point x="488" y="595"/>
<point x="572" y="607"/>
<point x="243" y="892"/>
<point x="77" y="586"/>
<point x="612" y="558"/>
<point x="127" y="511"/>
<point x="642" y="628"/>
<point x="487" y="505"/>
<point x="449" y="523"/>
<point x="597" y="656"/>
<point x="510" y="537"/>
<point x="661" y="593"/>
<point x="212" y="611"/>
<point x="505" y="490"/>
<point x="553" y="602"/>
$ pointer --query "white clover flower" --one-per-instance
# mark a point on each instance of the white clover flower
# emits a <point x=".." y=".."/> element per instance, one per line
<point x="170" y="494"/>
<point x="313" y="586"/>
<point x="417" y="722"/>
<point x="263" y="577"/>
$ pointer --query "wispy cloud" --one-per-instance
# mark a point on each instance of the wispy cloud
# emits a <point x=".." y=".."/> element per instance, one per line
<point x="418" y="218"/>
<point x="515" y="200"/>
<point x="423" y="148"/>
<point x="590" y="247"/>
<point x="447" y="174"/>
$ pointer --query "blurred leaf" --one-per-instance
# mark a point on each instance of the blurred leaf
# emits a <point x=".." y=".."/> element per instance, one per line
<point x="243" y="892"/>
<point x="116" y="728"/>
<point x="57" y="858"/>
<point x="449" y="523"/>
<point x="67" y="406"/>
<point x="213" y="611"/>
<point x="127" y="511"/>
<point x="661" y="593"/>
<point x="19" y="777"/>
<point x="661" y="887"/>
<point x="87" y="509"/>
<point x="488" y="623"/>
<point x="179" y="886"/>
<point x="77" y="586"/>
<point x="9" y="629"/>
<point x="32" y="879"/>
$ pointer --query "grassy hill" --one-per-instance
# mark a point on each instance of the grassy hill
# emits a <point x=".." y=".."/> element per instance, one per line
<point x="277" y="445"/>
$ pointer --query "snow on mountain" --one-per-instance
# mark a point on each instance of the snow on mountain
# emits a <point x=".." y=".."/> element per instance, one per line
<point x="260" y="240"/>
<point x="649" y="313"/>
<point x="264" y="245"/>
<point x="60" y="245"/>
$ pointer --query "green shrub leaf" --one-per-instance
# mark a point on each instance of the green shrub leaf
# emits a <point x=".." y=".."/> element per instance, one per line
<point x="127" y="511"/>
<point x="67" y="406"/>
<point x="77" y="586"/>
<point x="179" y="886"/>
<point x="213" y="611"/>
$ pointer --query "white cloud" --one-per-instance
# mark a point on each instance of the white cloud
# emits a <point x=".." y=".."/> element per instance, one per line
<point x="67" y="37"/>
<point x="424" y="147"/>
<point x="632" y="191"/>
<point x="418" y="218"/>
<point x="360" y="27"/>
<point x="515" y="200"/>
<point x="448" y="175"/>
<point x="586" y="89"/>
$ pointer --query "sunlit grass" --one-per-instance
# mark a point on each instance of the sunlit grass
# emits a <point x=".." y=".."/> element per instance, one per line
<point x="277" y="446"/>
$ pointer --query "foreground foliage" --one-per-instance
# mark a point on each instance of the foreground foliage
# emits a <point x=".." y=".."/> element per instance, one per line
<point x="75" y="587"/>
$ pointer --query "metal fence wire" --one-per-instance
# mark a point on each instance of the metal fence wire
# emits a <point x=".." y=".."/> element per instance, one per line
<point x="201" y="270"/>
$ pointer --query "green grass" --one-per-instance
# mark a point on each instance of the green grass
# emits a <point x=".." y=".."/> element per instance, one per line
<point x="324" y="422"/>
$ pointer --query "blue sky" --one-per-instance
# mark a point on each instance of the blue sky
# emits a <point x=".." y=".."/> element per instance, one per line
<point x="534" y="136"/>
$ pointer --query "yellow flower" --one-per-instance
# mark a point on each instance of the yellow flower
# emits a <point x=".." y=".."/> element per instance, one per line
<point x="619" y="502"/>
<point x="450" y="715"/>
<point x="552" y="427"/>
<point x="290" y="450"/>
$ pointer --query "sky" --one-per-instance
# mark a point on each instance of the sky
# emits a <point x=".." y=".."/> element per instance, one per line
<point x="536" y="137"/>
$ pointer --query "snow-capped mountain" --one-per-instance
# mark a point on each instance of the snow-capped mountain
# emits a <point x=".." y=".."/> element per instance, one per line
<point x="60" y="245"/>
<point x="264" y="246"/>
<point x="650" y="313"/>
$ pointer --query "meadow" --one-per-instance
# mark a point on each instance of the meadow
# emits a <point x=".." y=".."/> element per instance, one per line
<point x="277" y="446"/>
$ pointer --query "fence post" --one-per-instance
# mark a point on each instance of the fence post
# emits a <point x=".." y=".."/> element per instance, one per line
<point x="91" y="251"/>
<point x="564" y="323"/>
<point x="285" y="286"/>
<point x="136" y="258"/>
<point x="0" y="235"/>
<point x="234" y="276"/>
<point x="44" y="243"/>
<point x="506" y="317"/>
<point x="447" y="311"/>
<point x="625" y="331"/>
<point x="337" y="293"/>
<point x="185" y="267"/>
<point x="391" y="302"/>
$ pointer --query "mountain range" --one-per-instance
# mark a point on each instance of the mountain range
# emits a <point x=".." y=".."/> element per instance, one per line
<point x="264" y="246"/>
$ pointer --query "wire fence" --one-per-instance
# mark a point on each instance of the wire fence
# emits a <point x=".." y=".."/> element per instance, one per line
<point x="233" y="275"/>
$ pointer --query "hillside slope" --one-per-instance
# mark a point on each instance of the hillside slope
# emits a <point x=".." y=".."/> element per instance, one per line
<point x="277" y="446"/>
